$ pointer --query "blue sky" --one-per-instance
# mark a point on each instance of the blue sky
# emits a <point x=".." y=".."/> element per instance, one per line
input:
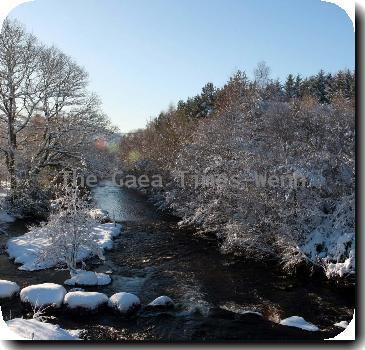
<point x="143" y="55"/>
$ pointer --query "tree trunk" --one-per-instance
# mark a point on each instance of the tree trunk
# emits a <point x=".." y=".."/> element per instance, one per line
<point x="12" y="143"/>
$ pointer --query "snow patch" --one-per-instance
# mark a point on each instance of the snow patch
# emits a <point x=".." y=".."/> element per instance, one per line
<point x="43" y="294"/>
<point x="85" y="300"/>
<point x="8" y="289"/>
<point x="26" y="249"/>
<point x="36" y="330"/>
<point x="299" y="322"/>
<point x="342" y="324"/>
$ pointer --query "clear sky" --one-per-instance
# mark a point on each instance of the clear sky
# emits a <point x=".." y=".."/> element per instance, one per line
<point x="143" y="55"/>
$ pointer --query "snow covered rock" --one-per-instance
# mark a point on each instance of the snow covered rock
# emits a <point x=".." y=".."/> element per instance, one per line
<point x="8" y="289"/>
<point x="27" y="249"/>
<point x="36" y="330"/>
<point x="299" y="322"/>
<point x="161" y="302"/>
<point x="85" y="300"/>
<point x="342" y="324"/>
<point x="124" y="303"/>
<point x="45" y="294"/>
<point x="88" y="278"/>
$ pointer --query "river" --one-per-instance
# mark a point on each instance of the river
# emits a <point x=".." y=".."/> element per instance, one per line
<point x="212" y="292"/>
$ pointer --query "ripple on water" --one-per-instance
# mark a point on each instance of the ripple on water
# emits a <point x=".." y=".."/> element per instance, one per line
<point x="128" y="284"/>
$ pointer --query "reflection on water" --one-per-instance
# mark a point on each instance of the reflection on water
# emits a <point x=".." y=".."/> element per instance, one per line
<point x="123" y="204"/>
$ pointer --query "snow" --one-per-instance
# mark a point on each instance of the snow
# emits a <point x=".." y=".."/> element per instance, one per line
<point x="162" y="301"/>
<point x="342" y="324"/>
<point x="299" y="322"/>
<point x="85" y="300"/>
<point x="26" y="249"/>
<point x="124" y="302"/>
<point x="43" y="294"/>
<point x="35" y="330"/>
<point x="8" y="289"/>
<point x="88" y="278"/>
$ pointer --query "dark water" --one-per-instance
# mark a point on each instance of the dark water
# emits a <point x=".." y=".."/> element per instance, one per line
<point x="154" y="257"/>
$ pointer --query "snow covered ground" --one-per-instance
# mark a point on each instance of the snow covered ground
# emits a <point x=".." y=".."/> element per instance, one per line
<point x="26" y="249"/>
<point x="35" y="330"/>
<point x="8" y="289"/>
<point x="44" y="294"/>
<point x="88" y="278"/>
<point x="85" y="300"/>
<point x="299" y="322"/>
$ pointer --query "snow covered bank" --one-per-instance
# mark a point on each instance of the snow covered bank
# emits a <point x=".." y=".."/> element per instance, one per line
<point x="26" y="249"/>
<point x="332" y="243"/>
<point x="88" y="278"/>
<point x="299" y="322"/>
<point x="8" y="289"/>
<point x="45" y="294"/>
<point x="35" y="330"/>
<point x="85" y="300"/>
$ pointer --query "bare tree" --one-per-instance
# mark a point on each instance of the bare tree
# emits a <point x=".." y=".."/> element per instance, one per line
<point x="47" y="116"/>
<point x="19" y="90"/>
<point x="262" y="74"/>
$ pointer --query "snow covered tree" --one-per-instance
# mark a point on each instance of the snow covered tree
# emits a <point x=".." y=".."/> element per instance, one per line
<point x="217" y="171"/>
<point x="19" y="90"/>
<point x="48" y="119"/>
<point x="69" y="229"/>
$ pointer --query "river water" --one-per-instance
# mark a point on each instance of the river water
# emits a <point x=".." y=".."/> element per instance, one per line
<point x="212" y="292"/>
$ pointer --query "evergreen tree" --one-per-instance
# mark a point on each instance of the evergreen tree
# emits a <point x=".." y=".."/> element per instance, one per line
<point x="274" y="91"/>
<point x="320" y="87"/>
<point x="290" y="87"/>
<point x="297" y="86"/>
